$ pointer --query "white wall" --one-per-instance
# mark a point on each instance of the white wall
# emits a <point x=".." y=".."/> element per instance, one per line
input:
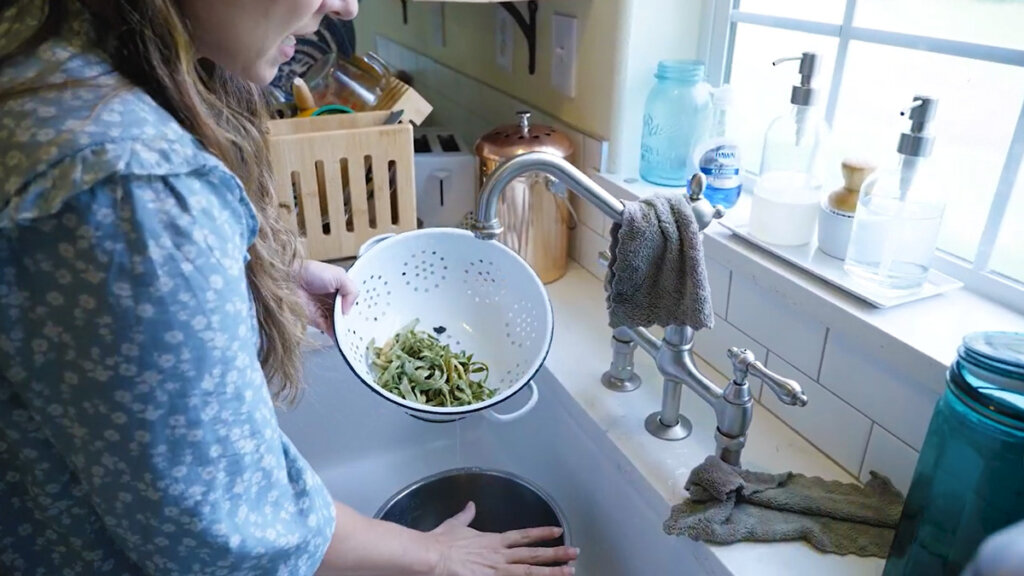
<point x="655" y="30"/>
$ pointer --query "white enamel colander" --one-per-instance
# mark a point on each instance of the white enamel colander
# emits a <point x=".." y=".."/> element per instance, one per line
<point x="475" y="295"/>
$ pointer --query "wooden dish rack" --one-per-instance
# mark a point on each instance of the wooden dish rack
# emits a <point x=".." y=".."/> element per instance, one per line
<point x="343" y="179"/>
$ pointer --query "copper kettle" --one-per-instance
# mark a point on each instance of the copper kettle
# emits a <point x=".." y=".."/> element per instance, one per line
<point x="534" y="209"/>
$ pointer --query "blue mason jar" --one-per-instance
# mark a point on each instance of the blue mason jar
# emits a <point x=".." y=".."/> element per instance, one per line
<point x="969" y="480"/>
<point x="677" y="117"/>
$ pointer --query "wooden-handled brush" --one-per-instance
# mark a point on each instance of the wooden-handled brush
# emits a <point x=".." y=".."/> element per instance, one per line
<point x="304" y="100"/>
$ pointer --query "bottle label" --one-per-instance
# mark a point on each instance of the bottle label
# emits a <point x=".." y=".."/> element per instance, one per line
<point x="721" y="166"/>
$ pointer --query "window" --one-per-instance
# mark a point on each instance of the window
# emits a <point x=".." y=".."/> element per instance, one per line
<point x="874" y="56"/>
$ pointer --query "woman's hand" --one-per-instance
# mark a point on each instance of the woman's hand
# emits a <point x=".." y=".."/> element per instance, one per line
<point x="320" y="283"/>
<point x="467" y="552"/>
<point x="368" y="547"/>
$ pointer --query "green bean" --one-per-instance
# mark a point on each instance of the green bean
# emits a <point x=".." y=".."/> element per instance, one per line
<point x="418" y="367"/>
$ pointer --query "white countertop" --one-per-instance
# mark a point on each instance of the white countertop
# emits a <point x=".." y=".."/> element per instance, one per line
<point x="579" y="355"/>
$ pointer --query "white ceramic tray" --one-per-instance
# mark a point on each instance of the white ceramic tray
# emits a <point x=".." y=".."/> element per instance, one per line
<point x="829" y="269"/>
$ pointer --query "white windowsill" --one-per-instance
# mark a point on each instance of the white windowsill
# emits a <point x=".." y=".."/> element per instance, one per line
<point x="925" y="334"/>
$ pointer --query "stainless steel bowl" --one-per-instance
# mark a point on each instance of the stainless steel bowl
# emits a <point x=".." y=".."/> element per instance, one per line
<point x="503" y="501"/>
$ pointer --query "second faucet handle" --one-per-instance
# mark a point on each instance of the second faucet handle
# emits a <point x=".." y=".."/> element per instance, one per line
<point x="788" y="391"/>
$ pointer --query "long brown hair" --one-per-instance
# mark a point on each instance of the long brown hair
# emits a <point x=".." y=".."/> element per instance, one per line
<point x="149" y="44"/>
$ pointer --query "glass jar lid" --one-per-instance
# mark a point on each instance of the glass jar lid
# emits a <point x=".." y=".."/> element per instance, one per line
<point x="990" y="372"/>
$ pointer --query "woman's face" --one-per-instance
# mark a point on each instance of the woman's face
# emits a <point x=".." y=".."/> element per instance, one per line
<point x="251" y="38"/>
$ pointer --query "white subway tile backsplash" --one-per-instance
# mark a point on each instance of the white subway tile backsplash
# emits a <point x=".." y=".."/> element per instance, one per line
<point x="718" y="278"/>
<point x="576" y="158"/>
<point x="713" y="344"/>
<point x="780" y="324"/>
<point x="594" y="154"/>
<point x="884" y="391"/>
<point x="587" y="214"/>
<point x="832" y="425"/>
<point x="443" y="79"/>
<point x="385" y="49"/>
<point x="586" y="245"/>
<point x="887" y="455"/>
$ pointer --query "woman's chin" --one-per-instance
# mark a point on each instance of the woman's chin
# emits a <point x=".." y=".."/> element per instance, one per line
<point x="262" y="74"/>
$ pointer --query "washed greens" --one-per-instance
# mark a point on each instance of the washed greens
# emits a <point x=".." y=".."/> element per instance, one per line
<point x="418" y="367"/>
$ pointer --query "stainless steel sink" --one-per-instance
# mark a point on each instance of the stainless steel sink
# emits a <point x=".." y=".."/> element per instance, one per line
<point x="365" y="449"/>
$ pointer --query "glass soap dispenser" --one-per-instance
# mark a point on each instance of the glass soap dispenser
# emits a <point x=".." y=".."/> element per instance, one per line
<point x="784" y="210"/>
<point x="899" y="213"/>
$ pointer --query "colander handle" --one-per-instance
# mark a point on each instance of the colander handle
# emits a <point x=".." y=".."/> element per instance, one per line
<point x="369" y="244"/>
<point x="491" y="414"/>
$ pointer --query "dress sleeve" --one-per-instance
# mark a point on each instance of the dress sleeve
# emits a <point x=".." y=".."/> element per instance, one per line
<point x="133" y="341"/>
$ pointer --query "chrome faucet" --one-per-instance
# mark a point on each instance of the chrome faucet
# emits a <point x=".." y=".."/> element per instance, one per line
<point x="673" y="354"/>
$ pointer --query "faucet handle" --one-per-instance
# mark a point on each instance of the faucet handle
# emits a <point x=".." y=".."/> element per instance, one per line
<point x="698" y="182"/>
<point x="703" y="210"/>
<point x="788" y="391"/>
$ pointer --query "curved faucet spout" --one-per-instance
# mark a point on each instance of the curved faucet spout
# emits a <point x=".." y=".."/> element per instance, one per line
<point x="487" y="225"/>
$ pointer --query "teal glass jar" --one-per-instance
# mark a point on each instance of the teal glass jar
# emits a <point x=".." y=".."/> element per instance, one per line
<point x="969" y="480"/>
<point x="677" y="117"/>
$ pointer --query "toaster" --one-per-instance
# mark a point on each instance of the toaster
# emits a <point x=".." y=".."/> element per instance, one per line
<point x="446" y="178"/>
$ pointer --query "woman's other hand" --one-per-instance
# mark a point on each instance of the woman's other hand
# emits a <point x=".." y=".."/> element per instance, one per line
<point x="321" y="282"/>
<point x="467" y="552"/>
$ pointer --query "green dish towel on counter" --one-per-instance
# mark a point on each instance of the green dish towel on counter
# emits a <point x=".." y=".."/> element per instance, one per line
<point x="729" y="504"/>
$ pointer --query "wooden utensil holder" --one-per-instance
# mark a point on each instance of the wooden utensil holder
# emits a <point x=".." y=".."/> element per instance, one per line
<point x="341" y="180"/>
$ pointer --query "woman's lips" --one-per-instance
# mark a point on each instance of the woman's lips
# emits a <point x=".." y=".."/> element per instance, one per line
<point x="287" y="48"/>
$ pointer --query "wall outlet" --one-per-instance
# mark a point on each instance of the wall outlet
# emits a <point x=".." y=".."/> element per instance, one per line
<point x="504" y="38"/>
<point x="437" y="23"/>
<point x="563" y="54"/>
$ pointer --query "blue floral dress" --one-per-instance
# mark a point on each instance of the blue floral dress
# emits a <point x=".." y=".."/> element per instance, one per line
<point x="137" y="435"/>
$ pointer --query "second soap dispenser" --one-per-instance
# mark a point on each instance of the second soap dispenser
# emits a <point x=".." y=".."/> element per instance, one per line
<point x="899" y="213"/>
<point x="784" y="210"/>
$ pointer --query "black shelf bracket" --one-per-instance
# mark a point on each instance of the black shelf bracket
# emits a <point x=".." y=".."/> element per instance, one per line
<point x="529" y="27"/>
<point x="405" y="11"/>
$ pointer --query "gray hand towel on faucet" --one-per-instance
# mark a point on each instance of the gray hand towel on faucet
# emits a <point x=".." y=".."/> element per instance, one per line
<point x="656" y="274"/>
<point x="729" y="504"/>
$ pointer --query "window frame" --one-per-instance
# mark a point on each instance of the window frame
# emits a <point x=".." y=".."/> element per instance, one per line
<point x="716" y="44"/>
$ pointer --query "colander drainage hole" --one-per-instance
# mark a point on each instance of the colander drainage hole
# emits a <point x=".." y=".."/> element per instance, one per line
<point x="439" y="330"/>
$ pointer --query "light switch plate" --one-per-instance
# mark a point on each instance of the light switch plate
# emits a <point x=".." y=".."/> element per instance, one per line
<point x="563" y="54"/>
<point x="504" y="38"/>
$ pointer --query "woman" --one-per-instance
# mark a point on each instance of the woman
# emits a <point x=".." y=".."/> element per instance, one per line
<point x="152" y="307"/>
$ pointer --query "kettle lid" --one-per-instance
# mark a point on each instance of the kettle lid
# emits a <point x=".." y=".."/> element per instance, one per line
<point x="514" y="139"/>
